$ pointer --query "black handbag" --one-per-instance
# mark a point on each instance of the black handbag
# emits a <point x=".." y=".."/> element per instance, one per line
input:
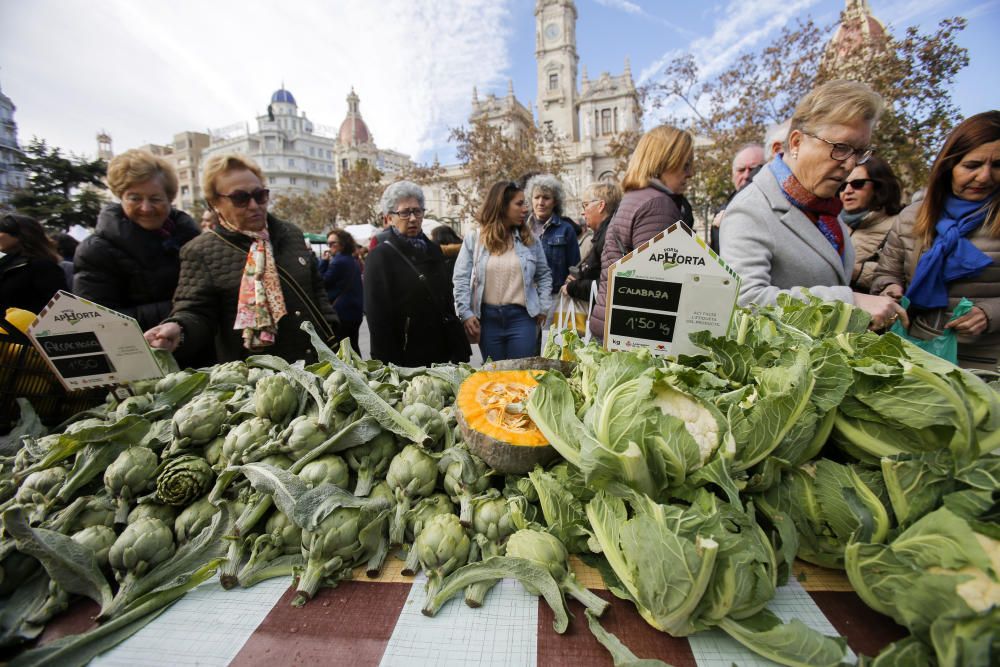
<point x="459" y="350"/>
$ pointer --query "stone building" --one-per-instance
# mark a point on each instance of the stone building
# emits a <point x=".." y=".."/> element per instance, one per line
<point x="11" y="174"/>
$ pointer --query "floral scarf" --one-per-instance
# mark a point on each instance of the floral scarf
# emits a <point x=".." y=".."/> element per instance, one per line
<point x="822" y="212"/>
<point x="261" y="302"/>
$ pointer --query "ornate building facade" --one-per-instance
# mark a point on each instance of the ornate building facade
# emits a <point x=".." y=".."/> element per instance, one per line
<point x="11" y="173"/>
<point x="583" y="117"/>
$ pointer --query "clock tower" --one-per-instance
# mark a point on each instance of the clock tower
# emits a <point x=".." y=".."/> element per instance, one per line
<point x="555" y="53"/>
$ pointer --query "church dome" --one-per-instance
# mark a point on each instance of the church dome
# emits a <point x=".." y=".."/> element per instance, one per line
<point x="353" y="130"/>
<point x="282" y="95"/>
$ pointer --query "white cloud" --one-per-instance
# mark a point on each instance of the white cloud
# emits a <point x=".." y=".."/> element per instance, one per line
<point x="636" y="10"/>
<point x="144" y="71"/>
<point x="624" y="5"/>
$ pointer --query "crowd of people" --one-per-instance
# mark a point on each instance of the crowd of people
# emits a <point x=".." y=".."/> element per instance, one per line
<point x="814" y="208"/>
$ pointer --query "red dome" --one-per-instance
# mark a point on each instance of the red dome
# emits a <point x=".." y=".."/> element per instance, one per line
<point x="354" y="131"/>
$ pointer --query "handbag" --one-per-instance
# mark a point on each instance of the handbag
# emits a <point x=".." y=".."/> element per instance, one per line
<point x="459" y="350"/>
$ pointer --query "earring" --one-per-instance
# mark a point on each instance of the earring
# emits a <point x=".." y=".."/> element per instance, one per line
<point x="795" y="154"/>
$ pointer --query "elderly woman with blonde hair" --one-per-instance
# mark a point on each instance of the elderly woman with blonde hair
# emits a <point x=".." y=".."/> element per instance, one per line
<point x="248" y="284"/>
<point x="654" y="184"/>
<point x="600" y="202"/>
<point x="132" y="260"/>
<point x="782" y="234"/>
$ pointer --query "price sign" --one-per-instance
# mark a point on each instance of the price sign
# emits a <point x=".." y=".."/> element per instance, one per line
<point x="88" y="345"/>
<point x="666" y="289"/>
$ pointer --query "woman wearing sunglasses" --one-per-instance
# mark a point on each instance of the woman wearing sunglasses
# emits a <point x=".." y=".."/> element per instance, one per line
<point x="248" y="284"/>
<point x="781" y="233"/>
<point x="132" y="260"/>
<point x="948" y="246"/>
<point x="871" y="198"/>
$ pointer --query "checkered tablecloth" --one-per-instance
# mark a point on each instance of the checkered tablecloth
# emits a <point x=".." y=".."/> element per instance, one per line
<point x="378" y="622"/>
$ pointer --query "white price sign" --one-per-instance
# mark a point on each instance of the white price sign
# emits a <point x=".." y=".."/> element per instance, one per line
<point x="664" y="290"/>
<point x="88" y="345"/>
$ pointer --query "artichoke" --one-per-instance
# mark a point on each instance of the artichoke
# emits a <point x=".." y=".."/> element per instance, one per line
<point x="213" y="451"/>
<point x="83" y="512"/>
<point x="246" y="436"/>
<point x="432" y="422"/>
<point x="39" y="489"/>
<point x="278" y="461"/>
<point x="302" y="436"/>
<point x="231" y="372"/>
<point x="183" y="479"/>
<point x="338" y="397"/>
<point x="492" y="524"/>
<point x="370" y="460"/>
<point x="428" y="390"/>
<point x="164" y="513"/>
<point x="418" y="517"/>
<point x="99" y="539"/>
<point x="548" y="551"/>
<point x="170" y="381"/>
<point x="328" y="551"/>
<point x="465" y="476"/>
<point x="330" y="469"/>
<point x="134" y="405"/>
<point x="133" y="472"/>
<point x="284" y="533"/>
<point x="412" y="474"/>
<point x="275" y="398"/>
<point x="255" y="375"/>
<point x="198" y="422"/>
<point x="141" y="546"/>
<point x="441" y="547"/>
<point x="195" y="517"/>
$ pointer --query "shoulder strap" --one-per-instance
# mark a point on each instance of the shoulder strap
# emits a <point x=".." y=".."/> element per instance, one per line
<point x="420" y="276"/>
<point x="315" y="311"/>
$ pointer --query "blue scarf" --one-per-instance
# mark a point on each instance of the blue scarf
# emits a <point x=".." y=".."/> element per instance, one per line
<point x="418" y="242"/>
<point x="951" y="256"/>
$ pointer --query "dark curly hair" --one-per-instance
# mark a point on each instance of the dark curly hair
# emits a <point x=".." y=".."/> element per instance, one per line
<point x="346" y="241"/>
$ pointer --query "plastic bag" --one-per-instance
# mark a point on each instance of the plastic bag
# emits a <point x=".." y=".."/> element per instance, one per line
<point x="945" y="345"/>
<point x="571" y="314"/>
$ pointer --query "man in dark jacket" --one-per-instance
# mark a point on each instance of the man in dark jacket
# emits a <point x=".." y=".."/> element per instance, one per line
<point x="408" y="303"/>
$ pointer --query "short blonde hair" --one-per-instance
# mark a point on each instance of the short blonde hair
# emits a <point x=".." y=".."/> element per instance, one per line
<point x="222" y="163"/>
<point x="608" y="192"/>
<point x="837" y="102"/>
<point x="663" y="148"/>
<point x="135" y="166"/>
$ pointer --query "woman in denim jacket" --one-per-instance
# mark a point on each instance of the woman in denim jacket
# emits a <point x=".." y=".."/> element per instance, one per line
<point x="503" y="286"/>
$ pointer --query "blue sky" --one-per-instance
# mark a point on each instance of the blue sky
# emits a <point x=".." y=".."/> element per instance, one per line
<point x="143" y="71"/>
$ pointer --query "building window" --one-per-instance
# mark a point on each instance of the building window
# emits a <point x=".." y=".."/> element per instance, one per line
<point x="453" y="199"/>
<point x="343" y="164"/>
<point x="292" y="180"/>
<point x="616" y="120"/>
<point x="312" y="152"/>
<point x="606" y="127"/>
<point x="291" y="162"/>
<point x="329" y="155"/>
<point x="184" y="190"/>
<point x="270" y="163"/>
<point x="315" y="183"/>
<point x="553" y="81"/>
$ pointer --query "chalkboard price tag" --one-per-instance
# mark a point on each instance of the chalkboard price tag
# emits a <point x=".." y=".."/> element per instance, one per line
<point x="87" y="345"/>
<point x="666" y="289"/>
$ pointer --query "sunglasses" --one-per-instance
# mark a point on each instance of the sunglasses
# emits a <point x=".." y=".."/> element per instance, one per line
<point x="857" y="183"/>
<point x="241" y="198"/>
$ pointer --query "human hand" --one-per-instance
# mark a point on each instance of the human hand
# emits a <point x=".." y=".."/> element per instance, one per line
<point x="472" y="329"/>
<point x="326" y="254"/>
<point x="972" y="323"/>
<point x="563" y="290"/>
<point x="166" y="336"/>
<point x="893" y="291"/>
<point x="884" y="310"/>
<point x="540" y="318"/>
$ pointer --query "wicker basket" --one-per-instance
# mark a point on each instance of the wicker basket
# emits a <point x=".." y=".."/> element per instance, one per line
<point x="24" y="374"/>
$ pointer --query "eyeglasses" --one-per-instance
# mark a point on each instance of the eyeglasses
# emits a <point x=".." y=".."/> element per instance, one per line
<point x="241" y="198"/>
<point x="333" y="242"/>
<point x="407" y="213"/>
<point x="841" y="152"/>
<point x="588" y="202"/>
<point x="857" y="183"/>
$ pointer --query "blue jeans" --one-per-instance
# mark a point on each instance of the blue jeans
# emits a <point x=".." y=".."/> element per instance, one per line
<point x="507" y="332"/>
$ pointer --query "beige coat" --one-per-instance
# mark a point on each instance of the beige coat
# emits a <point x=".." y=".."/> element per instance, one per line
<point x="867" y="239"/>
<point x="897" y="265"/>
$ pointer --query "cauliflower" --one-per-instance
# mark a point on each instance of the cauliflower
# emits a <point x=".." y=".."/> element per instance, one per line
<point x="698" y="419"/>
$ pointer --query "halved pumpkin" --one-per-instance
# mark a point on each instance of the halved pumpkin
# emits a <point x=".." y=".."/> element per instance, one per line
<point x="492" y="413"/>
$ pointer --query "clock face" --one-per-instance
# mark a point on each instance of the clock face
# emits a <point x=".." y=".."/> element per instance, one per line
<point x="552" y="30"/>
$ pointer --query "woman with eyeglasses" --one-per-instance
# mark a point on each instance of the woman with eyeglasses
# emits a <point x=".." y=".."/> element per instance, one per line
<point x="947" y="246"/>
<point x="341" y="271"/>
<point x="503" y="284"/>
<point x="132" y="260"/>
<point x="782" y="234"/>
<point x="411" y="319"/>
<point x="29" y="266"/>
<point x="248" y="284"/>
<point x="871" y="197"/>
<point x="600" y="201"/>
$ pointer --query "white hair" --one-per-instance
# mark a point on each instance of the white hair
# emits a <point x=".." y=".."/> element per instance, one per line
<point x="547" y="183"/>
<point x="396" y="193"/>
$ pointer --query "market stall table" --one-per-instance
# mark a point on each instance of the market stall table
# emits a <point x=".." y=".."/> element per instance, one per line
<point x="378" y="622"/>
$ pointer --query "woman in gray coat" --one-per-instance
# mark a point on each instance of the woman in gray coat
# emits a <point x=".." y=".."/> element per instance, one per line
<point x="781" y="233"/>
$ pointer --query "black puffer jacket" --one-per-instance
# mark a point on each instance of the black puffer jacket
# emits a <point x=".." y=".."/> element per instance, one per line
<point x="590" y="266"/>
<point x="132" y="270"/>
<point x="208" y="292"/>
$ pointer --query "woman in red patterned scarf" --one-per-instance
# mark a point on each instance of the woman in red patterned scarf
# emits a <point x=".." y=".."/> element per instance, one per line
<point x="250" y="282"/>
<point x="781" y="232"/>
